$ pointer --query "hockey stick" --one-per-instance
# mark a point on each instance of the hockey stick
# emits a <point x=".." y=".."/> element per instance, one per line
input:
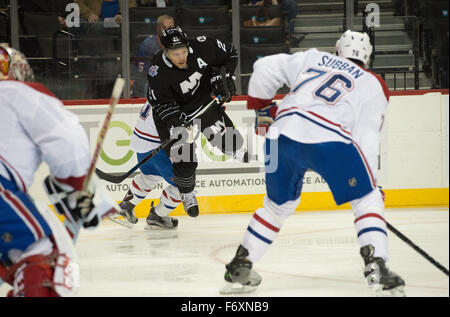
<point x="116" y="179"/>
<point x="117" y="91"/>
<point x="415" y="247"/>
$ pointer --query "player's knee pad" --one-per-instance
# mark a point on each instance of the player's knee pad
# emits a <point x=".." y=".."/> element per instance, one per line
<point x="280" y="212"/>
<point x="371" y="203"/>
<point x="145" y="183"/>
<point x="172" y="193"/>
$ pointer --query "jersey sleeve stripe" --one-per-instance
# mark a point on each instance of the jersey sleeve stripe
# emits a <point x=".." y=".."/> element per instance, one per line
<point x="146" y="139"/>
<point x="25" y="214"/>
<point x="17" y="176"/>
<point x="146" y="134"/>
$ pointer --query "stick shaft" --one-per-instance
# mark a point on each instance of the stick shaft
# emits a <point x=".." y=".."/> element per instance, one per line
<point x="116" y="179"/>
<point x="415" y="247"/>
<point x="117" y="91"/>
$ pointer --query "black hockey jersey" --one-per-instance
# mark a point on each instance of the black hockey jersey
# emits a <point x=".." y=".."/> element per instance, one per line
<point x="189" y="87"/>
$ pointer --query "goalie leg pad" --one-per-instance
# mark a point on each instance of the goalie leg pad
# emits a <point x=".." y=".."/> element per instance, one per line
<point x="33" y="277"/>
<point x="52" y="275"/>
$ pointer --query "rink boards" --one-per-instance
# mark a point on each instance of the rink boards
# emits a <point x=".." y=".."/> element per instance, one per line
<point x="413" y="165"/>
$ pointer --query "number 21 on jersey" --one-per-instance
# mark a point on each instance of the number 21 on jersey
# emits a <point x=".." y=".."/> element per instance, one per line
<point x="329" y="90"/>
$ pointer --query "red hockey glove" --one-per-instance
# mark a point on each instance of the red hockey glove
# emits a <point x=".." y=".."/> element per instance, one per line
<point x="264" y="118"/>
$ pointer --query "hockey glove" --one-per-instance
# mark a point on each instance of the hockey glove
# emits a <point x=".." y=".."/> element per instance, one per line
<point x="73" y="204"/>
<point x="231" y="85"/>
<point x="170" y="113"/>
<point x="218" y="84"/>
<point x="264" y="118"/>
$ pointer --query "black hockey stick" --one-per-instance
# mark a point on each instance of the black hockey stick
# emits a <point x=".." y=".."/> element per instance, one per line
<point x="415" y="247"/>
<point x="116" y="179"/>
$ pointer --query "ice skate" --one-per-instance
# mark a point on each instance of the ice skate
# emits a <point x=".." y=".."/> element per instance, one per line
<point x="156" y="222"/>
<point x="190" y="203"/>
<point x="126" y="211"/>
<point x="380" y="279"/>
<point x="239" y="276"/>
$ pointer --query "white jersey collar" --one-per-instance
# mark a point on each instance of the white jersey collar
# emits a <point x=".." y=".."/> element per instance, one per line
<point x="166" y="60"/>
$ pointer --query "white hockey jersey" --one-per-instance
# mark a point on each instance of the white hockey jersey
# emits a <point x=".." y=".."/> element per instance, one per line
<point x="35" y="127"/>
<point x="331" y="99"/>
<point x="145" y="136"/>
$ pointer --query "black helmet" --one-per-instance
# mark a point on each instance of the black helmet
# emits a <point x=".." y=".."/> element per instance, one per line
<point x="174" y="38"/>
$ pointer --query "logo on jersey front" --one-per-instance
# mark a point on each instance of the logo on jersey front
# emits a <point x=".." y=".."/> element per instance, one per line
<point x="153" y="71"/>
<point x="192" y="84"/>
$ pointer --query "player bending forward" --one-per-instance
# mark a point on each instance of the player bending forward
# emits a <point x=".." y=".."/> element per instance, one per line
<point x="181" y="78"/>
<point x="330" y="122"/>
<point x="37" y="255"/>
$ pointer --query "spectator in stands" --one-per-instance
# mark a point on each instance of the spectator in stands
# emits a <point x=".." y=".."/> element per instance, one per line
<point x="47" y="6"/>
<point x="288" y="7"/>
<point x="147" y="49"/>
<point x="203" y="2"/>
<point x="154" y="3"/>
<point x="95" y="10"/>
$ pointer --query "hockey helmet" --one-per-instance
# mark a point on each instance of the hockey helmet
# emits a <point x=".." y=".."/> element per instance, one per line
<point x="14" y="65"/>
<point x="354" y="45"/>
<point x="173" y="38"/>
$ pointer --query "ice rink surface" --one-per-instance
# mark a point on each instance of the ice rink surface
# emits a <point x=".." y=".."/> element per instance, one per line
<point x="316" y="254"/>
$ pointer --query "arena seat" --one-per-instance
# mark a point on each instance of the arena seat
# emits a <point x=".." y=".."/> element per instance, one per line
<point x="262" y="35"/>
<point x="222" y="32"/>
<point x="251" y="53"/>
<point x="204" y="16"/>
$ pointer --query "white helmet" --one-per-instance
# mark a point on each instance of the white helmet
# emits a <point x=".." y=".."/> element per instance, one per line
<point x="354" y="45"/>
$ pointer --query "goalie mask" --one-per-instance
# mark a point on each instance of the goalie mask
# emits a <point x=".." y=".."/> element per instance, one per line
<point x="14" y="65"/>
<point x="354" y="45"/>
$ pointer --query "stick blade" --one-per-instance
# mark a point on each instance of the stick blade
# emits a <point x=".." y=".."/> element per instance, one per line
<point x="109" y="178"/>
<point x="120" y="221"/>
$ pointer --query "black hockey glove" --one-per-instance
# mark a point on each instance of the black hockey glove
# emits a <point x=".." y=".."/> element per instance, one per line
<point x="221" y="87"/>
<point x="84" y="207"/>
<point x="74" y="205"/>
<point x="170" y="113"/>
<point x="231" y="85"/>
